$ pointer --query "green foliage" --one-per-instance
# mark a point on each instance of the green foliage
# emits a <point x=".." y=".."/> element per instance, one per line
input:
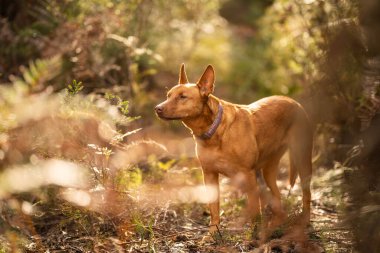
<point x="37" y="74"/>
<point x="128" y="179"/>
<point x="284" y="53"/>
<point x="110" y="108"/>
<point x="144" y="231"/>
<point x="165" y="166"/>
<point x="3" y="248"/>
<point x="157" y="168"/>
<point x="254" y="232"/>
<point x="123" y="105"/>
<point x="74" y="88"/>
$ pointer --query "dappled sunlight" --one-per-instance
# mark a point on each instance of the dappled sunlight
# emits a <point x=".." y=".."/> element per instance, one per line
<point x="27" y="208"/>
<point x="64" y="174"/>
<point x="201" y="194"/>
<point x="28" y="177"/>
<point x="29" y="180"/>
<point x="78" y="197"/>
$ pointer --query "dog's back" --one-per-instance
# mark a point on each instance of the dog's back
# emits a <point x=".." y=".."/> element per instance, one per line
<point x="277" y="121"/>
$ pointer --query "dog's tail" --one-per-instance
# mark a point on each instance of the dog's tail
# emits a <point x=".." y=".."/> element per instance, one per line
<point x="300" y="161"/>
<point x="300" y="151"/>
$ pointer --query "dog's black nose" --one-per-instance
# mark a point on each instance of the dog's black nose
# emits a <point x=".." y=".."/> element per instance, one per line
<point x="158" y="109"/>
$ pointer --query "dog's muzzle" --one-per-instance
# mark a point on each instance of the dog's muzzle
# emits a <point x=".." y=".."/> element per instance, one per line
<point x="159" y="111"/>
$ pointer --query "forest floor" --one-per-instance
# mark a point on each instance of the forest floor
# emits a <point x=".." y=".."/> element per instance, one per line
<point x="150" y="220"/>
<point x="183" y="227"/>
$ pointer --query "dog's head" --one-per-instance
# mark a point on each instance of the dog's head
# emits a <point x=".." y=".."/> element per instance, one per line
<point x="186" y="100"/>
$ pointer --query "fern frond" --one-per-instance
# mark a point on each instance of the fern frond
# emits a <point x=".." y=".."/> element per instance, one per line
<point x="38" y="73"/>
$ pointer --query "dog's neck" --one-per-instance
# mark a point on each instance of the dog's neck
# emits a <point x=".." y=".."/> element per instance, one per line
<point x="200" y="124"/>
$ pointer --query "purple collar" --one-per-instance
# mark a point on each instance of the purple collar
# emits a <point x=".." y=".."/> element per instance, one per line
<point x="214" y="126"/>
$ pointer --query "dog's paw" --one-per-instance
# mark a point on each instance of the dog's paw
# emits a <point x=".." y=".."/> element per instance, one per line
<point x="213" y="229"/>
<point x="208" y="239"/>
<point x="277" y="220"/>
<point x="214" y="235"/>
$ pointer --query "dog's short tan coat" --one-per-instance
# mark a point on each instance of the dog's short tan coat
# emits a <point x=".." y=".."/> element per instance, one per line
<point x="249" y="138"/>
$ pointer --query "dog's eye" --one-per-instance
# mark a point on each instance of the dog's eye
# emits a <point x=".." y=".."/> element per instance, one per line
<point x="182" y="96"/>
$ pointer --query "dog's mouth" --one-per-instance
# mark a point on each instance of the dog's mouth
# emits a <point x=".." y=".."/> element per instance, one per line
<point x="168" y="118"/>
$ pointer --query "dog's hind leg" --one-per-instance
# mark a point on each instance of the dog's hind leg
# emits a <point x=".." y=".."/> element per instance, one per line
<point x="270" y="171"/>
<point x="247" y="183"/>
<point x="300" y="152"/>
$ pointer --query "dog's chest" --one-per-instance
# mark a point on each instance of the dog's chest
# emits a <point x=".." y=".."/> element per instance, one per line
<point x="226" y="161"/>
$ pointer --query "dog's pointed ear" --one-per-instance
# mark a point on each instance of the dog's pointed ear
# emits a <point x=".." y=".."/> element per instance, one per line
<point x="206" y="82"/>
<point x="182" y="75"/>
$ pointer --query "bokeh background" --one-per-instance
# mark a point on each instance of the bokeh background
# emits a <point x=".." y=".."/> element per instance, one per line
<point x="81" y="148"/>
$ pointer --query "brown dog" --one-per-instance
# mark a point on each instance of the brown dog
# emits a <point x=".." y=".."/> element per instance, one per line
<point x="235" y="140"/>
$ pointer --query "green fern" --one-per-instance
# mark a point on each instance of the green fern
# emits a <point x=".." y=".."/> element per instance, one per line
<point x="38" y="73"/>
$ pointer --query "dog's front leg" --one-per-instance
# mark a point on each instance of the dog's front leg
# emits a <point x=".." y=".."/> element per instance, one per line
<point x="211" y="179"/>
